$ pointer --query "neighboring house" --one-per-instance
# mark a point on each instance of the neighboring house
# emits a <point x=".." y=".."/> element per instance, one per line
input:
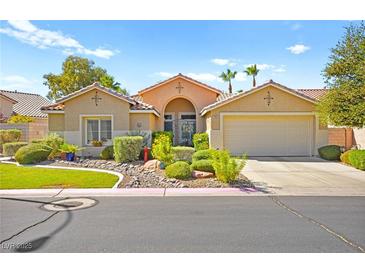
<point x="26" y="104"/>
<point x="269" y="120"/>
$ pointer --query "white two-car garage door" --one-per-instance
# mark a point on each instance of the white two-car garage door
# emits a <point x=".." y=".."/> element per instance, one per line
<point x="268" y="135"/>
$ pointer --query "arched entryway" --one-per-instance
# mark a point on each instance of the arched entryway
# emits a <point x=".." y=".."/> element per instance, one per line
<point x="180" y="118"/>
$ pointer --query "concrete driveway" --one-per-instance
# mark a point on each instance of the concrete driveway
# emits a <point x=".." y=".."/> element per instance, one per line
<point x="304" y="176"/>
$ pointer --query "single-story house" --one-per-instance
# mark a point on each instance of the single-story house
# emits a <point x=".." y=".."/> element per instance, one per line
<point x="26" y="104"/>
<point x="268" y="120"/>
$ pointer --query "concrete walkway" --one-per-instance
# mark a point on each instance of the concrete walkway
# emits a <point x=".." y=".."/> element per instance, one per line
<point x="305" y="176"/>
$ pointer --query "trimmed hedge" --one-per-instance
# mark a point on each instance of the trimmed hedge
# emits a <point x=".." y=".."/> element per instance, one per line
<point x="205" y="154"/>
<point x="32" y="154"/>
<point x="178" y="170"/>
<point x="357" y="159"/>
<point x="156" y="134"/>
<point x="10" y="149"/>
<point x="127" y="148"/>
<point x="331" y="152"/>
<point x="182" y="153"/>
<point x="203" y="165"/>
<point x="107" y="153"/>
<point x="345" y="157"/>
<point x="201" y="141"/>
<point x="9" y="136"/>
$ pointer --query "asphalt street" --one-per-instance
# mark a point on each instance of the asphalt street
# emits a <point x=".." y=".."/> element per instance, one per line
<point x="184" y="224"/>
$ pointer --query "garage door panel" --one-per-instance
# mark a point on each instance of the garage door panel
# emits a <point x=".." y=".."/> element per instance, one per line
<point x="267" y="135"/>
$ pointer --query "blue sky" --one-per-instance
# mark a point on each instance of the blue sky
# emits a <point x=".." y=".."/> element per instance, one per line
<point x="141" y="53"/>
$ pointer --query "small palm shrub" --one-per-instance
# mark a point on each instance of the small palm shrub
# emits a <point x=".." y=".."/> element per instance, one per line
<point x="127" y="148"/>
<point x="10" y="149"/>
<point x="55" y="142"/>
<point x="178" y="170"/>
<point x="226" y="168"/>
<point x="357" y="159"/>
<point x="162" y="149"/>
<point x="201" y="141"/>
<point x="182" y="153"/>
<point x="205" y="154"/>
<point x="32" y="153"/>
<point x="203" y="165"/>
<point x="107" y="153"/>
<point x="330" y="152"/>
<point x="345" y="157"/>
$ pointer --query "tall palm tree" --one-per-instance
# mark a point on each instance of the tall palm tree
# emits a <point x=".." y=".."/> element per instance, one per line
<point x="252" y="71"/>
<point x="227" y="77"/>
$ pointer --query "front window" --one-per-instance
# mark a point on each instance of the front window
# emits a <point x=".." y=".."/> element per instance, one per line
<point x="169" y="122"/>
<point x="98" y="129"/>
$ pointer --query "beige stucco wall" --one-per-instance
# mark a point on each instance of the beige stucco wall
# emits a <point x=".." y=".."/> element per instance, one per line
<point x="56" y="122"/>
<point x="359" y="137"/>
<point x="283" y="102"/>
<point x="6" y="107"/>
<point x="197" y="95"/>
<point x="146" y="121"/>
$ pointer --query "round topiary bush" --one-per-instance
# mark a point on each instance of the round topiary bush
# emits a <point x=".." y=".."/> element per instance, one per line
<point x="331" y="152"/>
<point x="357" y="159"/>
<point x="178" y="170"/>
<point x="107" y="153"/>
<point x="203" y="165"/>
<point x="205" y="154"/>
<point x="32" y="154"/>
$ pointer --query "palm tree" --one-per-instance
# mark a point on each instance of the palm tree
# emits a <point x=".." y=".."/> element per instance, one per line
<point x="252" y="71"/>
<point x="227" y="77"/>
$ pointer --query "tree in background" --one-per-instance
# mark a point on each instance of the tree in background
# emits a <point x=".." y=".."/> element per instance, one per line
<point x="77" y="73"/>
<point x="252" y="71"/>
<point x="227" y="77"/>
<point x="344" y="103"/>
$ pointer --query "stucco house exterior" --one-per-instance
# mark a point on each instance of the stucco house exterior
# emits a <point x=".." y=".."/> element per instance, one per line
<point x="268" y="120"/>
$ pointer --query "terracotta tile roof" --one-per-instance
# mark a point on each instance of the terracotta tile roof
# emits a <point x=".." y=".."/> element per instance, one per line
<point x="27" y="104"/>
<point x="54" y="107"/>
<point x="144" y="106"/>
<point x="230" y="97"/>
<point x="180" y="75"/>
<point x="315" y="93"/>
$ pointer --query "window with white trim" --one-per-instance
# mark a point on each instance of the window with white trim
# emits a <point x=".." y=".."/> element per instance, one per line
<point x="98" y="129"/>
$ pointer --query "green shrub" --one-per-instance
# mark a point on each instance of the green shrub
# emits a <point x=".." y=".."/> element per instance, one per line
<point x="11" y="148"/>
<point x="162" y="149"/>
<point x="205" y="154"/>
<point x="32" y="153"/>
<point x="226" y="168"/>
<point x="37" y="141"/>
<point x="127" y="148"/>
<point x="201" y="141"/>
<point x="107" y="153"/>
<point x="357" y="159"/>
<point x="345" y="157"/>
<point x="146" y="136"/>
<point x="156" y="134"/>
<point x="203" y="165"/>
<point x="331" y="152"/>
<point x="178" y="170"/>
<point x="9" y="136"/>
<point x="55" y="142"/>
<point x="68" y="148"/>
<point x="182" y="153"/>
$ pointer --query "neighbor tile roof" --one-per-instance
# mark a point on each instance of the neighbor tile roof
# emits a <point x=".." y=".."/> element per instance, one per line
<point x="182" y="76"/>
<point x="28" y="104"/>
<point x="143" y="106"/>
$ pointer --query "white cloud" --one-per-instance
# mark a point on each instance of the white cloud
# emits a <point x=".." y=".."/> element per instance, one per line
<point x="223" y="62"/>
<point x="240" y="77"/>
<point x="279" y="70"/>
<point x="298" y="49"/>
<point x="261" y="66"/>
<point x="28" y="33"/>
<point x="164" y="74"/>
<point x="15" y="82"/>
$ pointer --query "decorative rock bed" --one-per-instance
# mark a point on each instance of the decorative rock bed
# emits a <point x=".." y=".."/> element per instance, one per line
<point x="139" y="176"/>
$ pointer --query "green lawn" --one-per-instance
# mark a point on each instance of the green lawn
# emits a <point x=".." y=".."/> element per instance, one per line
<point x="14" y="177"/>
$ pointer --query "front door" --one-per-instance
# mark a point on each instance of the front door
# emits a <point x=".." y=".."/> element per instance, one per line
<point x="186" y="128"/>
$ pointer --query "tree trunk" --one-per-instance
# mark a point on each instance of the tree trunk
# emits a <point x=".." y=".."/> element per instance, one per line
<point x="254" y="81"/>
<point x="230" y="87"/>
